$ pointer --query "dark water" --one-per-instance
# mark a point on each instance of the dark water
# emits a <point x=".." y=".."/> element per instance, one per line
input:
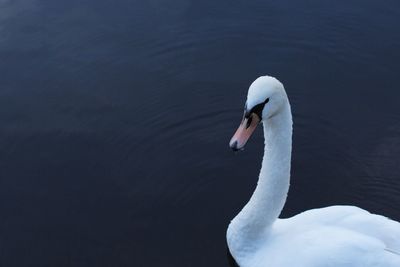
<point x="115" y="118"/>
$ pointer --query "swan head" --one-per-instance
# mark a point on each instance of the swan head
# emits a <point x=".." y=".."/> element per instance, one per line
<point x="265" y="98"/>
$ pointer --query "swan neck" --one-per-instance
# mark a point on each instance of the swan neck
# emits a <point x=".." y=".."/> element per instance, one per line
<point x="268" y="199"/>
<point x="274" y="179"/>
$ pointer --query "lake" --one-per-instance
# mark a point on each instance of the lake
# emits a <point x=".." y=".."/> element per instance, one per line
<point x="115" y="118"/>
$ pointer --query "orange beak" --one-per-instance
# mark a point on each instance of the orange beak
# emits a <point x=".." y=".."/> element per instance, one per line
<point x="243" y="133"/>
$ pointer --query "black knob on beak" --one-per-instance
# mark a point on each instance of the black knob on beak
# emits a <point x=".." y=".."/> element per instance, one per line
<point x="234" y="146"/>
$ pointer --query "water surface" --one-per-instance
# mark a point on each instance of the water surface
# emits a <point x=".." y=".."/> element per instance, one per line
<point x="115" y="118"/>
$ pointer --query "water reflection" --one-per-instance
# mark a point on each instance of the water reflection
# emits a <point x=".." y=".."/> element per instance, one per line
<point x="231" y="260"/>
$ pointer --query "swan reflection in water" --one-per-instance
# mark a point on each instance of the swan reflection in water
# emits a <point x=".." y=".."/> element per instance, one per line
<point x="231" y="260"/>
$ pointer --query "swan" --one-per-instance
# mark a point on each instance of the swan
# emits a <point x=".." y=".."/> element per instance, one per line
<point x="337" y="236"/>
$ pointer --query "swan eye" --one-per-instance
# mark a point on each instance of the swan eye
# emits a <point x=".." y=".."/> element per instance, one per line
<point x="249" y="120"/>
<point x="246" y="112"/>
<point x="257" y="109"/>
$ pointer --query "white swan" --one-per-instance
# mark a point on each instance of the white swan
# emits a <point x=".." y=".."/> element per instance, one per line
<point x="336" y="236"/>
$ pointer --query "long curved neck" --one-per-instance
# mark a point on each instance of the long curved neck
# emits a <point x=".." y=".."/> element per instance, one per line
<point x="269" y="197"/>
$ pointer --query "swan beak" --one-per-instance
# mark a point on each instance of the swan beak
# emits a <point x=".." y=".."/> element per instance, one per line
<point x="243" y="133"/>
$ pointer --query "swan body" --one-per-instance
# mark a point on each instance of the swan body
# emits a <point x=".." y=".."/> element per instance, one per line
<point x="337" y="236"/>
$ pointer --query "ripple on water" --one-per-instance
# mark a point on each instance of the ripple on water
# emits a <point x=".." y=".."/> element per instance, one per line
<point x="380" y="185"/>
